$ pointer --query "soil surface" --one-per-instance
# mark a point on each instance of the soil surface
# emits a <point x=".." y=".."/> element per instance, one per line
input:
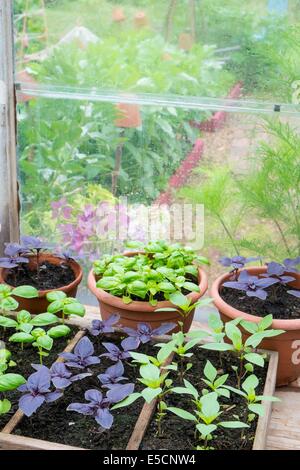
<point x="278" y="303"/>
<point x="179" y="434"/>
<point x="50" y="276"/>
<point x="24" y="359"/>
<point x="53" y="423"/>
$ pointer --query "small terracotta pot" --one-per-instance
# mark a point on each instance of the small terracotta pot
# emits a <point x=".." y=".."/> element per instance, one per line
<point x="128" y="115"/>
<point x="139" y="311"/>
<point x="287" y="344"/>
<point x="40" y="303"/>
<point x="118" y="15"/>
<point x="186" y="41"/>
<point x="140" y="19"/>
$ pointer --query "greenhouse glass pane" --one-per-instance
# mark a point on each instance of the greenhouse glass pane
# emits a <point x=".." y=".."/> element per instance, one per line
<point x="90" y="180"/>
<point x="188" y="48"/>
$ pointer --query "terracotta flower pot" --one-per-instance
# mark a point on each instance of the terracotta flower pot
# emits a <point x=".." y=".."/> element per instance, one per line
<point x="287" y="344"/>
<point x="139" y="311"/>
<point x="128" y="115"/>
<point x="118" y="15"/>
<point x="40" y="303"/>
<point x="185" y="41"/>
<point x="140" y="19"/>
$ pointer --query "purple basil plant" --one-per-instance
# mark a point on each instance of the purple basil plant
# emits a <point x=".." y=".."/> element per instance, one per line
<point x="291" y="264"/>
<point x="37" y="391"/>
<point x="119" y="354"/>
<point x="144" y="333"/>
<point x="100" y="327"/>
<point x="98" y="405"/>
<point x="112" y="376"/>
<point x="13" y="256"/>
<point x="237" y="262"/>
<point x="82" y="357"/>
<point x="277" y="271"/>
<point x="252" y="285"/>
<point x="61" y="376"/>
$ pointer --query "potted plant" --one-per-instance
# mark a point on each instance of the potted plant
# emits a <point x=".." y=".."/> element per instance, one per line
<point x="256" y="292"/>
<point x="144" y="285"/>
<point x="31" y="263"/>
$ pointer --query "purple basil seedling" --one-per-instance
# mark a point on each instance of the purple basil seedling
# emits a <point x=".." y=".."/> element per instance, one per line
<point x="82" y="357"/>
<point x="276" y="270"/>
<point x="98" y="406"/>
<point x="112" y="376"/>
<point x="115" y="353"/>
<point x="252" y="285"/>
<point x="144" y="333"/>
<point x="101" y="327"/>
<point x="61" y="376"/>
<point x="37" y="391"/>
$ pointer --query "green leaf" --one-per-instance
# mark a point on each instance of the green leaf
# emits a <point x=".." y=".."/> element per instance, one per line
<point x="28" y="292"/>
<point x="56" y="295"/>
<point x="150" y="393"/>
<point x="25" y="327"/>
<point x="7" y="322"/>
<point x="74" y="309"/>
<point x="234" y="334"/>
<point x="59" y="331"/>
<point x="5" y="406"/>
<point x="217" y="347"/>
<point x="165" y="352"/>
<point x="255" y="358"/>
<point x="250" y="383"/>
<point x="23" y="316"/>
<point x="180" y="300"/>
<point x="182" y="413"/>
<point x="127" y="401"/>
<point x="55" y="306"/>
<point x="190" y="387"/>
<point x="257" y="409"/>
<point x="220" y="380"/>
<point x="45" y="342"/>
<point x="21" y="338"/>
<point x="9" y="304"/>
<point x="166" y="286"/>
<point x="265" y="322"/>
<point x="150" y="372"/>
<point x="11" y="382"/>
<point x="140" y="358"/>
<point x="206" y="429"/>
<point x="249" y="326"/>
<point x="191" y="286"/>
<point x="210" y="371"/>
<point x="44" y="319"/>
<point x="233" y="424"/>
<point x="182" y="391"/>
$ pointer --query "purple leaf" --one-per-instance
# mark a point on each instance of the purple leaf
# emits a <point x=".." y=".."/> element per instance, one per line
<point x="104" y="326"/>
<point x="53" y="396"/>
<point x="29" y="403"/>
<point x="104" y="418"/>
<point x="94" y="396"/>
<point x="120" y="392"/>
<point x="295" y="293"/>
<point x="82" y="408"/>
<point x="82" y="356"/>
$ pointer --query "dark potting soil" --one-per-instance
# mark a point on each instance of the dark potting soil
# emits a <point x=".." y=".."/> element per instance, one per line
<point x="50" y="276"/>
<point x="278" y="303"/>
<point x="178" y="434"/>
<point x="53" y="423"/>
<point x="24" y="359"/>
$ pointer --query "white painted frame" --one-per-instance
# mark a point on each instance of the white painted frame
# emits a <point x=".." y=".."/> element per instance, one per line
<point x="9" y="212"/>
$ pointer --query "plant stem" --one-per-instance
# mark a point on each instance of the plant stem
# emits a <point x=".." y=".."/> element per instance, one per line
<point x="229" y="234"/>
<point x="169" y="18"/>
<point x="282" y="236"/>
